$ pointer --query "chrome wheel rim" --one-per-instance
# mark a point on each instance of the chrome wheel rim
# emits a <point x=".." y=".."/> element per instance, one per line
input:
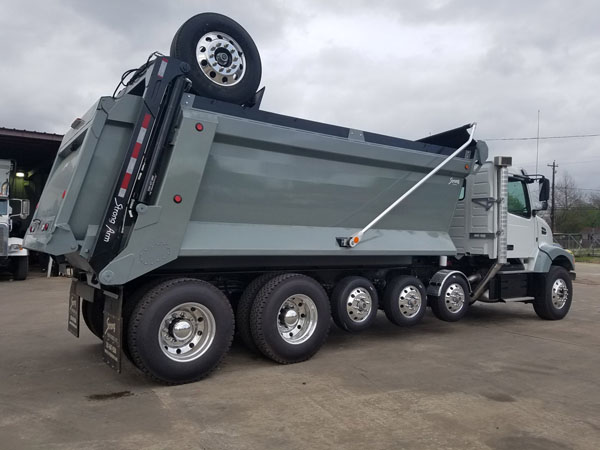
<point x="221" y="58"/>
<point x="454" y="298"/>
<point x="359" y="304"/>
<point x="297" y="319"/>
<point x="560" y="293"/>
<point x="187" y="332"/>
<point x="410" y="301"/>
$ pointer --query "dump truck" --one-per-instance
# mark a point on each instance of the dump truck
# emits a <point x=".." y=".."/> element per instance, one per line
<point x="189" y="215"/>
<point x="13" y="256"/>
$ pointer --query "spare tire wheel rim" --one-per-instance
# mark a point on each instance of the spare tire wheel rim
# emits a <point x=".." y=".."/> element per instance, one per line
<point x="297" y="319"/>
<point x="220" y="58"/>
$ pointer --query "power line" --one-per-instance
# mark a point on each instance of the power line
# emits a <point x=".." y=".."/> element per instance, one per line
<point x="580" y="189"/>
<point x="576" y="208"/>
<point x="532" y="164"/>
<point x="570" y="136"/>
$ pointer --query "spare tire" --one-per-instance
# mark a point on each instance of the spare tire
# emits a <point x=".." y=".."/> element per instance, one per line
<point x="225" y="64"/>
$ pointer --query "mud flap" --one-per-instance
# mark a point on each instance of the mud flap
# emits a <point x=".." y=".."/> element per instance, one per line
<point x="113" y="329"/>
<point x="74" y="306"/>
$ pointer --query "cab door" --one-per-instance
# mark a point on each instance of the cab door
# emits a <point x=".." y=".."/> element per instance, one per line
<point x="521" y="235"/>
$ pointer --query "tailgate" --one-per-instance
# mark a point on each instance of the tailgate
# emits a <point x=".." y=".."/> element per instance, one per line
<point x="82" y="178"/>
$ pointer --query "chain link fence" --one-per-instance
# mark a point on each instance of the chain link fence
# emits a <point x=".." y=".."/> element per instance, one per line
<point x="579" y="244"/>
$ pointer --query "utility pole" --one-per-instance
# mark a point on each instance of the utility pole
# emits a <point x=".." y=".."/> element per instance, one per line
<point x="554" y="166"/>
<point x="537" y="144"/>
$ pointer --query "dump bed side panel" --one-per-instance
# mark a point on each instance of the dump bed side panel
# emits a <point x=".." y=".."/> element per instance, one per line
<point x="253" y="189"/>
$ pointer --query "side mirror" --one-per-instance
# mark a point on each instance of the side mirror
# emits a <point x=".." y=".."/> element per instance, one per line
<point x="544" y="191"/>
<point x="19" y="208"/>
<point x="25" y="209"/>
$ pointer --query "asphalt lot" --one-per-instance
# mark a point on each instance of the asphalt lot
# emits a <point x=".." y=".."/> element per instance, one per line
<point x="499" y="379"/>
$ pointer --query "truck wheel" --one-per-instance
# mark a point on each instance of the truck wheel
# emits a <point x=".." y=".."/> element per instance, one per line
<point x="242" y="316"/>
<point x="354" y="304"/>
<point x="453" y="303"/>
<point x="131" y="301"/>
<point x="21" y="267"/>
<point x="180" y="330"/>
<point x="93" y="316"/>
<point x="405" y="301"/>
<point x="290" y="318"/>
<point x="225" y="63"/>
<point x="554" y="299"/>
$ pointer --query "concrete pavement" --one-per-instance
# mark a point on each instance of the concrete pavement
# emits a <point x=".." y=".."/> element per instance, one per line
<point x="499" y="379"/>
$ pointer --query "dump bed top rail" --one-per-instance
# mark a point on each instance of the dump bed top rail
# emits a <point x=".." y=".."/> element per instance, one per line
<point x="442" y="144"/>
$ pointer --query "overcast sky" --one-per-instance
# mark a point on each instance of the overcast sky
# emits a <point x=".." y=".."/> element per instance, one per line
<point x="407" y="69"/>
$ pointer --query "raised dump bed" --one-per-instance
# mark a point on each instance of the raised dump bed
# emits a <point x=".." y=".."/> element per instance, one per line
<point x="249" y="189"/>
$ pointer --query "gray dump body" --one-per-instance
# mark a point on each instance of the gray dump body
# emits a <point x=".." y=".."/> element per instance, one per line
<point x="257" y="190"/>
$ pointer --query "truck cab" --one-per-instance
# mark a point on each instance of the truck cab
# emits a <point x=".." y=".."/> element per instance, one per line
<point x="13" y="256"/>
<point x="497" y="223"/>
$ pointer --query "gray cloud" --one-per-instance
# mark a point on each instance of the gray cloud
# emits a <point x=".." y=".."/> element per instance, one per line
<point x="401" y="68"/>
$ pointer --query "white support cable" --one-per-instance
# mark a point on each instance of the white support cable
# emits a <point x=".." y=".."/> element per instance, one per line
<point x="356" y="238"/>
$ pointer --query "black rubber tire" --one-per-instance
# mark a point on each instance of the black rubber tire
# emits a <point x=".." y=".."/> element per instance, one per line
<point x="129" y="304"/>
<point x="183" y="47"/>
<point x="439" y="305"/>
<point x="93" y="316"/>
<point x="339" y="297"/>
<point x="20" y="267"/>
<point x="396" y="288"/>
<point x="543" y="305"/>
<point x="146" y="320"/>
<point x="263" y="318"/>
<point x="242" y="315"/>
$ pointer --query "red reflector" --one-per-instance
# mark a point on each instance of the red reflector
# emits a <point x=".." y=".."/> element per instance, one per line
<point x="45" y="227"/>
<point x="64" y="193"/>
<point x="177" y="198"/>
<point x="31" y="228"/>
<point x="199" y="127"/>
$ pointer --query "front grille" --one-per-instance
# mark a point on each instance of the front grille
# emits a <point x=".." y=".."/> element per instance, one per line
<point x="3" y="239"/>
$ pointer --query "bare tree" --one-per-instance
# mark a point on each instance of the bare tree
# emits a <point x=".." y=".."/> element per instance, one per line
<point x="569" y="203"/>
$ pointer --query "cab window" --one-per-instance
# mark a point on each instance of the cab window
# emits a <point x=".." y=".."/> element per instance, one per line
<point x="518" y="199"/>
<point x="463" y="188"/>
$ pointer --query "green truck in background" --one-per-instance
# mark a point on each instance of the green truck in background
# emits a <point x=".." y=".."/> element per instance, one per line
<point x="188" y="213"/>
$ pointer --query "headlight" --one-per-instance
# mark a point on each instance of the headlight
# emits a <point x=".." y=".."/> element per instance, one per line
<point x="15" y="247"/>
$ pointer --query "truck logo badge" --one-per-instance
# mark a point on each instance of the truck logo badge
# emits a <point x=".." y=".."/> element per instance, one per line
<point x="114" y="215"/>
<point x="454" y="182"/>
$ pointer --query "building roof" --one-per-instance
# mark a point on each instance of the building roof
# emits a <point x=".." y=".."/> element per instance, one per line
<point x="28" y="134"/>
<point x="30" y="149"/>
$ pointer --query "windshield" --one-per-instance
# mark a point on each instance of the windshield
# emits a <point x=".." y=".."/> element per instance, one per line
<point x="3" y="207"/>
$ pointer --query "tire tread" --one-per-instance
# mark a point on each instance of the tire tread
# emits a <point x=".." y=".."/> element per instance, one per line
<point x="242" y="316"/>
<point x="137" y="314"/>
<point x="257" y="316"/>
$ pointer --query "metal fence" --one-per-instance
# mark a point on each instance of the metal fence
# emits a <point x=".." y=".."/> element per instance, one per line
<point x="579" y="244"/>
